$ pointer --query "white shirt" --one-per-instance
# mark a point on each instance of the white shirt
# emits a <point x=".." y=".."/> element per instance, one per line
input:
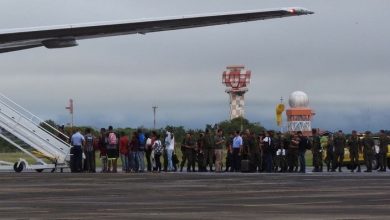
<point x="171" y="145"/>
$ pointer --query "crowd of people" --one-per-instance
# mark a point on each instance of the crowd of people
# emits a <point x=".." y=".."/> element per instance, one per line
<point x="203" y="152"/>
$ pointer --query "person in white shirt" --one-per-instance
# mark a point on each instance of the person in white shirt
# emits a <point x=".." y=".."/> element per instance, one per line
<point x="170" y="147"/>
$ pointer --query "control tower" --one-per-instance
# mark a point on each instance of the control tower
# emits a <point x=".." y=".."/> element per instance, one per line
<point x="236" y="79"/>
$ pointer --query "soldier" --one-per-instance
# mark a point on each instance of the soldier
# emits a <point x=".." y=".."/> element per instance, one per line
<point x="219" y="141"/>
<point x="354" y="149"/>
<point x="339" y="144"/>
<point x="328" y="143"/>
<point x="368" y="150"/>
<point x="316" y="151"/>
<point x="189" y="146"/>
<point x="208" y="150"/>
<point x="383" y="143"/>
<point x="254" y="153"/>
<point x="292" y="154"/>
<point x="200" y="153"/>
<point x="229" y="152"/>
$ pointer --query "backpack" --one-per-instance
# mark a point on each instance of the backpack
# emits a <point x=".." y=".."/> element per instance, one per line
<point x="112" y="140"/>
<point x="141" y="139"/>
<point x="89" y="142"/>
<point x="158" y="147"/>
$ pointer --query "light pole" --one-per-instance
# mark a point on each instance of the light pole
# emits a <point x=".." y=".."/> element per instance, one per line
<point x="154" y="116"/>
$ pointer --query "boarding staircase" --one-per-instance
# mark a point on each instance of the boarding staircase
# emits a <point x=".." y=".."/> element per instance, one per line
<point x="25" y="131"/>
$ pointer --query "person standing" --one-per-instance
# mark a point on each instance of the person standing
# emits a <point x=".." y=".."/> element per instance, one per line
<point x="200" y="153"/>
<point x="77" y="141"/>
<point x="133" y="148"/>
<point x="292" y="154"/>
<point x="141" y="151"/>
<point x="302" y="147"/>
<point x="229" y="152"/>
<point x="339" y="144"/>
<point x="219" y="143"/>
<point x="368" y="150"/>
<point x="148" y="150"/>
<point x="112" y="150"/>
<point x="268" y="143"/>
<point x="316" y="150"/>
<point x="237" y="147"/>
<point x="158" y="150"/>
<point x="170" y="147"/>
<point x="354" y="149"/>
<point x="103" y="149"/>
<point x="208" y="150"/>
<point x="188" y="146"/>
<point x="89" y="151"/>
<point x="124" y="151"/>
<point x="328" y="143"/>
<point x="383" y="143"/>
<point x="279" y="152"/>
<point x="254" y="153"/>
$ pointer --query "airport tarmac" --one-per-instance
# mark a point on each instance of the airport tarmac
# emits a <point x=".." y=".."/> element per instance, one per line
<point x="195" y="196"/>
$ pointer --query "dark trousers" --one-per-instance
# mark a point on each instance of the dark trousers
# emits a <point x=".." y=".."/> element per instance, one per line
<point x="208" y="158"/>
<point x="158" y="162"/>
<point x="292" y="158"/>
<point x="236" y="160"/>
<point x="302" y="161"/>
<point x="90" y="161"/>
<point x="76" y="164"/>
<point x="229" y="161"/>
<point x="354" y="160"/>
<point x="148" y="153"/>
<point x="200" y="160"/>
<point x="329" y="160"/>
<point x="255" y="161"/>
<point x="338" y="160"/>
<point x="189" y="156"/>
<point x="165" y="156"/>
<point x="268" y="162"/>
<point x="368" y="157"/>
<point x="317" y="161"/>
<point x="382" y="160"/>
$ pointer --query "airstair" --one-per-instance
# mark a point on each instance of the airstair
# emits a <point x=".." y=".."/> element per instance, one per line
<point x="27" y="132"/>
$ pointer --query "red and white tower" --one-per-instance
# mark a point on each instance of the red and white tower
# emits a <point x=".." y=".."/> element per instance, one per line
<point x="299" y="116"/>
<point x="236" y="79"/>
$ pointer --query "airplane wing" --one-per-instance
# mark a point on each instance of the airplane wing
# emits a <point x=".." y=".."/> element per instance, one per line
<point x="67" y="35"/>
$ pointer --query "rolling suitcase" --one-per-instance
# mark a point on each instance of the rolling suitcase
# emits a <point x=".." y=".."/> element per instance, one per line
<point x="245" y="166"/>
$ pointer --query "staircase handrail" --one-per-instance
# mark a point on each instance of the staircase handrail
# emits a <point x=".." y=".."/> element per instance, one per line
<point x="31" y="119"/>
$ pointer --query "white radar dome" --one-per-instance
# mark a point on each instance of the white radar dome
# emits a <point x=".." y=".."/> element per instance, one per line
<point x="298" y="99"/>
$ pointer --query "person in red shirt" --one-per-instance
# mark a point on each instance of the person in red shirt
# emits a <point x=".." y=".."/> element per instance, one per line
<point x="124" y="151"/>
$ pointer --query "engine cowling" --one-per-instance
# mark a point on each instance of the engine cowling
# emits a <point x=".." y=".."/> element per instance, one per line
<point x="60" y="43"/>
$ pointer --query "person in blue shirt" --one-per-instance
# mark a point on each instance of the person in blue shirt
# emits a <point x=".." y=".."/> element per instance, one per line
<point x="237" y="148"/>
<point x="77" y="141"/>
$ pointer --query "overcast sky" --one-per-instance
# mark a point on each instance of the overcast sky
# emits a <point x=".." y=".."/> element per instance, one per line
<point x="340" y="57"/>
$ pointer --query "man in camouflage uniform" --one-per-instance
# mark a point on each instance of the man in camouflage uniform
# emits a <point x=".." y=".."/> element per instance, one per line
<point x="354" y="149"/>
<point x="208" y="147"/>
<point x="317" y="151"/>
<point x="188" y="147"/>
<point x="368" y="150"/>
<point x="254" y="152"/>
<point x="383" y="142"/>
<point x="339" y="144"/>
<point x="327" y="145"/>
